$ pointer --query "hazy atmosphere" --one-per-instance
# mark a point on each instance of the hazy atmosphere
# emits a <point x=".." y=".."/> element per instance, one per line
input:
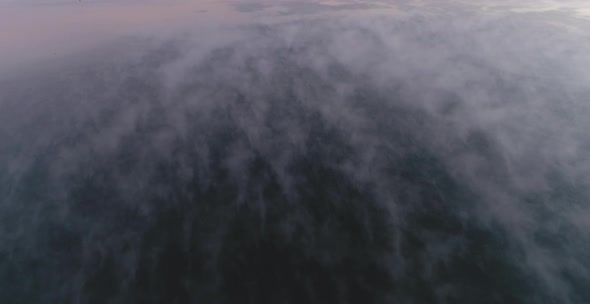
<point x="294" y="152"/>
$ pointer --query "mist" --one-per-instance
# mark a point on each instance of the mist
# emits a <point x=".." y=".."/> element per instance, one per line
<point x="290" y="152"/>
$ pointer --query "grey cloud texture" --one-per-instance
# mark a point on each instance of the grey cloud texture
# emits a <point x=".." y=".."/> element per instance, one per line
<point x="413" y="158"/>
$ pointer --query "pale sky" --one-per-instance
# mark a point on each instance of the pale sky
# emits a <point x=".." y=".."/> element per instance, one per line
<point x="38" y="30"/>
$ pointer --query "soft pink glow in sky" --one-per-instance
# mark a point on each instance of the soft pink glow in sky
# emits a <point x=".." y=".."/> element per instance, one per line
<point x="34" y="31"/>
<point x="31" y="31"/>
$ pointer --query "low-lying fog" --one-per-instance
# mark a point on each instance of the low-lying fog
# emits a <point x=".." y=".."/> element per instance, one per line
<point x="294" y="152"/>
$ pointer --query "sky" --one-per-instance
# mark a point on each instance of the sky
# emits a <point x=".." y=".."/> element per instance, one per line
<point x="36" y="30"/>
<point x="33" y="30"/>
